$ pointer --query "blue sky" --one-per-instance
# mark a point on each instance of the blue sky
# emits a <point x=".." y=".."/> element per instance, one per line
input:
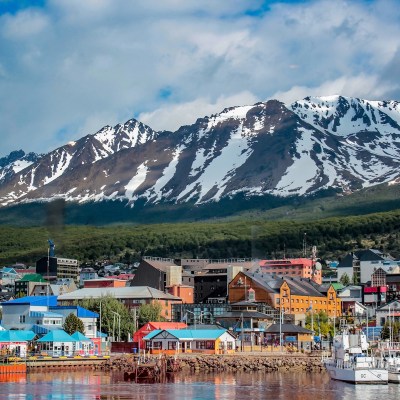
<point x="69" y="67"/>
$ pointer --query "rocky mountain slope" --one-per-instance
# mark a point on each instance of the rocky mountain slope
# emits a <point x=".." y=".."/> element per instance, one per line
<point x="270" y="148"/>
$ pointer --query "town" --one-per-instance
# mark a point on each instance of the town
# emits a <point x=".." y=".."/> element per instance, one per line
<point x="59" y="308"/>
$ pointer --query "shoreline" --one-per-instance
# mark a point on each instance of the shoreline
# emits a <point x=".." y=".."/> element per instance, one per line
<point x="197" y="363"/>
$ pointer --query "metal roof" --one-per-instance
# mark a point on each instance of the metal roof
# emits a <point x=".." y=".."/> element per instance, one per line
<point x="57" y="336"/>
<point x="129" y="292"/>
<point x="34" y="301"/>
<point x="189" y="334"/>
<point x="80" y="311"/>
<point x="287" y="328"/>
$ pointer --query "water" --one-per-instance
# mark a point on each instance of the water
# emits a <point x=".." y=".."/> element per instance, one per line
<point x="241" y="386"/>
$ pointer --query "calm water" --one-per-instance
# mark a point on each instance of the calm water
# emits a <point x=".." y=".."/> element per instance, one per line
<point x="242" y="386"/>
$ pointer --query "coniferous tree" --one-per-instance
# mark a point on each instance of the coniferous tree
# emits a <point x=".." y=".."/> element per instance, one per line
<point x="73" y="324"/>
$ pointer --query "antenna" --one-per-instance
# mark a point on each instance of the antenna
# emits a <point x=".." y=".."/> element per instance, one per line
<point x="305" y="245"/>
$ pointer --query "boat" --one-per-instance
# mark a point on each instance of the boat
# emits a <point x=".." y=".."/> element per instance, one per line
<point x="351" y="362"/>
<point x="390" y="353"/>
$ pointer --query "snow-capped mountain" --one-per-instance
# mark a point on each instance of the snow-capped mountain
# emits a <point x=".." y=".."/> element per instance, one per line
<point x="267" y="148"/>
<point x="16" y="161"/>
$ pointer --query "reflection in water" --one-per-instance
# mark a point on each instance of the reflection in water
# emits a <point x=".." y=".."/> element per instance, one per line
<point x="222" y="386"/>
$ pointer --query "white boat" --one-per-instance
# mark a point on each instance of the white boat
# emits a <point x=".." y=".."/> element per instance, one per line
<point x="391" y="358"/>
<point x="350" y="361"/>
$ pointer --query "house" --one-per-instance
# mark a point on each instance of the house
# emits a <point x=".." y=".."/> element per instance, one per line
<point x="294" y="335"/>
<point x="361" y="264"/>
<point x="150" y="327"/>
<point x="8" y="276"/>
<point x="87" y="274"/>
<point x="206" y="341"/>
<point x="350" y="295"/>
<point x="388" y="312"/>
<point x="57" y="343"/>
<point x="15" y="342"/>
<point x="25" y="285"/>
<point x="84" y="346"/>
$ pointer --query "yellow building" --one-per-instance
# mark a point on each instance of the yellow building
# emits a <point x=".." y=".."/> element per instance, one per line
<point x="295" y="296"/>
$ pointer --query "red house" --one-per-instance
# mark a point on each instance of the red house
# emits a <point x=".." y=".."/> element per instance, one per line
<point x="151" y="326"/>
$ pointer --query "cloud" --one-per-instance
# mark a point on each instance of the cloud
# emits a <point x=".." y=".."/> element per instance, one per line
<point x="172" y="116"/>
<point x="69" y="67"/>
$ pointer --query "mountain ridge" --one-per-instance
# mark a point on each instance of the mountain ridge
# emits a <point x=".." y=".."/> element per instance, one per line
<point x="269" y="148"/>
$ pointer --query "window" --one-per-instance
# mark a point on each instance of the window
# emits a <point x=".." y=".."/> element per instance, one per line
<point x="22" y="319"/>
<point x="171" y="345"/>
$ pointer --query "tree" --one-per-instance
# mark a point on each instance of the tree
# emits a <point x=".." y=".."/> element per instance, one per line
<point x="150" y="312"/>
<point x="320" y="323"/>
<point x="73" y="324"/>
<point x="344" y="279"/>
<point x="116" y="319"/>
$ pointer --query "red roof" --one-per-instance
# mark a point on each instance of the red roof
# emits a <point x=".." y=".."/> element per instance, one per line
<point x="151" y="326"/>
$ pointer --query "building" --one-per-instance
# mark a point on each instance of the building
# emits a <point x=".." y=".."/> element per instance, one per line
<point x="87" y="274"/>
<point x="186" y="293"/>
<point x="42" y="315"/>
<point x="89" y="318"/>
<point x="172" y="341"/>
<point x="25" y="286"/>
<point x="291" y="295"/>
<point x="361" y="264"/>
<point x="56" y="267"/>
<point x="8" y="276"/>
<point x="150" y="327"/>
<point x="298" y="267"/>
<point x="31" y="313"/>
<point x="388" y="312"/>
<point x="104" y="283"/>
<point x="131" y="297"/>
<point x="247" y="323"/>
<point x="209" y="278"/>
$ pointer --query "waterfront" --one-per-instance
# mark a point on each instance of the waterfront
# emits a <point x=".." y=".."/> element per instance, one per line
<point x="219" y="386"/>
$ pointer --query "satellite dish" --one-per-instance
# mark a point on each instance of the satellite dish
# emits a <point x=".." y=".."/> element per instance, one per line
<point x="318" y="266"/>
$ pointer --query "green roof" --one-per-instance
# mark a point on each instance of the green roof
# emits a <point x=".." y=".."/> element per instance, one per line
<point x="337" y="286"/>
<point x="32" y="278"/>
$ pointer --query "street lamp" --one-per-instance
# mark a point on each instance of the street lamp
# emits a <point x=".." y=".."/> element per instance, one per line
<point x="119" y="325"/>
<point x="280" y="327"/>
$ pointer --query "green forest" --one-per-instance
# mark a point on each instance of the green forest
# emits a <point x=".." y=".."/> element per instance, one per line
<point x="334" y="237"/>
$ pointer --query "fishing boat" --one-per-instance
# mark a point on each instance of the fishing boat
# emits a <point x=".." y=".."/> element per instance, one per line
<point x="351" y="362"/>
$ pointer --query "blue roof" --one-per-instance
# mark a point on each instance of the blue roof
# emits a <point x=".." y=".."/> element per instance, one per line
<point x="80" y="337"/>
<point x="101" y="334"/>
<point x="80" y="311"/>
<point x="57" y="336"/>
<point x="41" y="314"/>
<point x="16" y="336"/>
<point x="40" y="329"/>
<point x="189" y="334"/>
<point x="33" y="300"/>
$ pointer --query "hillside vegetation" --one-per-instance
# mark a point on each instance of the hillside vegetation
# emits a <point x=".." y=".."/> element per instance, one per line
<point x="333" y="237"/>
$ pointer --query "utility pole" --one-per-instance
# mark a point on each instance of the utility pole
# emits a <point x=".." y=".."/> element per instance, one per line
<point x="242" y="333"/>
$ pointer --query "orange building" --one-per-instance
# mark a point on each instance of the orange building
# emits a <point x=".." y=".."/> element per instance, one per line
<point x="293" y="295"/>
<point x="185" y="292"/>
<point x="104" y="282"/>
<point x="299" y="267"/>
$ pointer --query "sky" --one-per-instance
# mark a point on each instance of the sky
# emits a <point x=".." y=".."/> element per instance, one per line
<point x="70" y="67"/>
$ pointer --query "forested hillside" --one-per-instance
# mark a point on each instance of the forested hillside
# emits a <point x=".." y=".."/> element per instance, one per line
<point x="333" y="237"/>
